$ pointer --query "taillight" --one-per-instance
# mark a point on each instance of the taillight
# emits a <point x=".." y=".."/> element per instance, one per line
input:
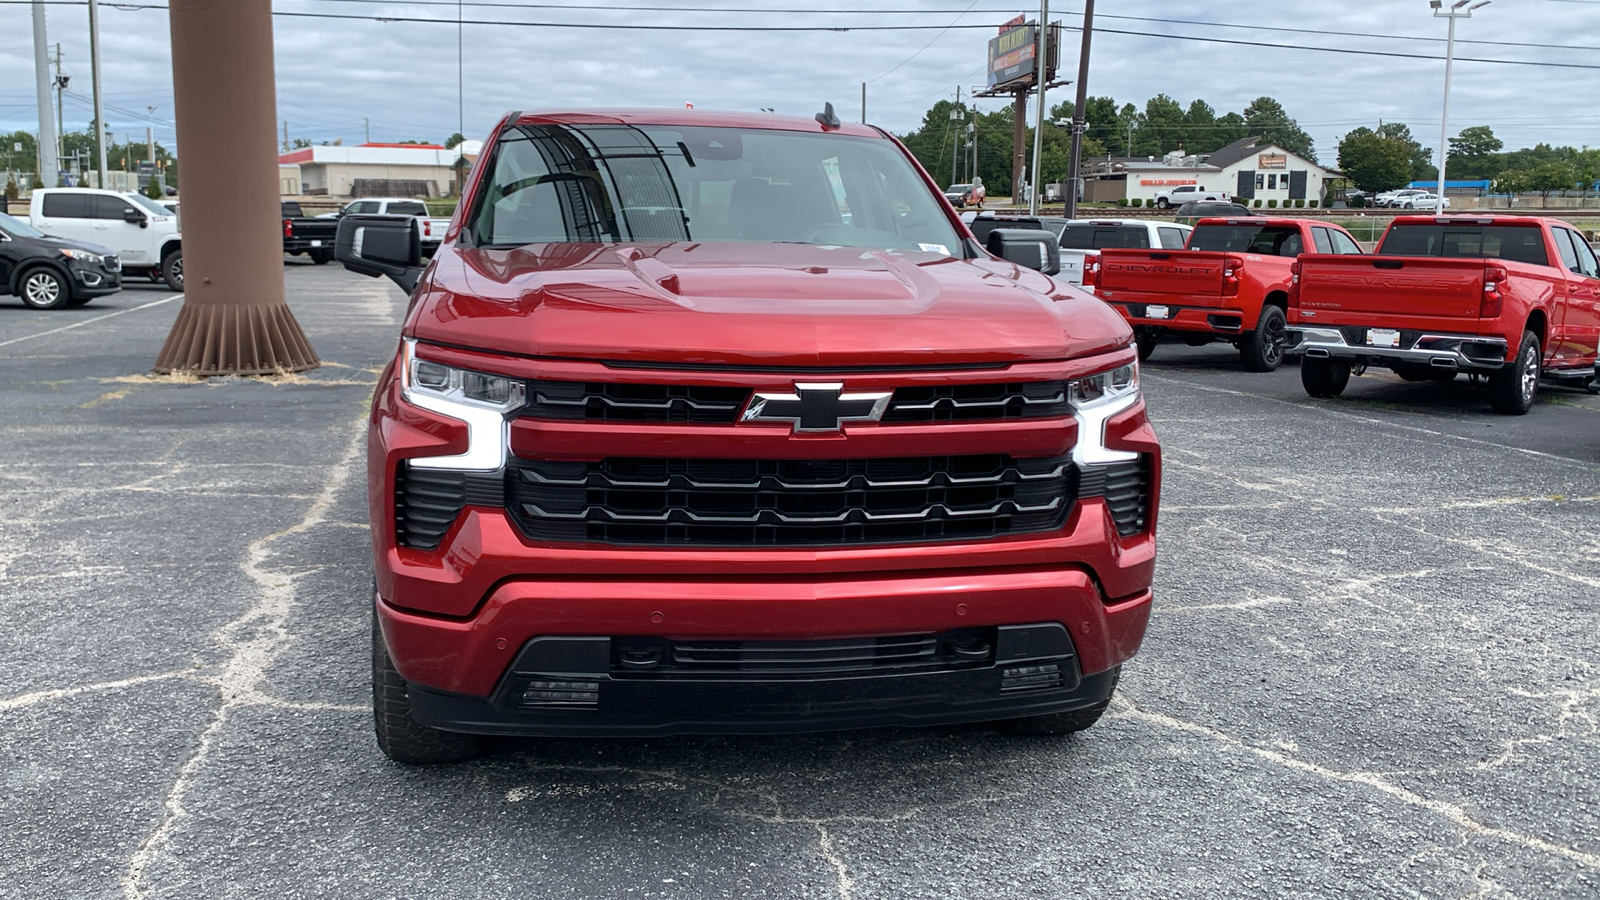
<point x="1494" y="298"/>
<point x="1231" y="267"/>
<point x="427" y="228"/>
<point x="1294" y="284"/>
<point x="1091" y="271"/>
<point x="288" y="228"/>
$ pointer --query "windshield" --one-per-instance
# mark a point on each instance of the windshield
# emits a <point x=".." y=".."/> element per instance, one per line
<point x="653" y="183"/>
<point x="1523" y="243"/>
<point x="148" y="204"/>
<point x="1267" y="240"/>
<point x="1095" y="237"/>
<point x="18" y="228"/>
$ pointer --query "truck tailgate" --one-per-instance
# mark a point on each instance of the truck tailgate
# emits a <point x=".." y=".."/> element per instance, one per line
<point x="1196" y="274"/>
<point x="1394" y="285"/>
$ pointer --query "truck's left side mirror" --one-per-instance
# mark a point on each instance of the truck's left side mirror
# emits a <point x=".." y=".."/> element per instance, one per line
<point x="1031" y="247"/>
<point x="381" y="245"/>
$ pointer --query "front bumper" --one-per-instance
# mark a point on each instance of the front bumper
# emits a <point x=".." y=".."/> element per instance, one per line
<point x="94" y="280"/>
<point x="1451" y="352"/>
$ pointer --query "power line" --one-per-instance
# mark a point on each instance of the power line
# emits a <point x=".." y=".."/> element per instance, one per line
<point x="919" y="52"/>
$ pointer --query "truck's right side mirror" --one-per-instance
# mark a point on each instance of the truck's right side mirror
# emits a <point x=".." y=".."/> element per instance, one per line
<point x="381" y="245"/>
<point x="1031" y="247"/>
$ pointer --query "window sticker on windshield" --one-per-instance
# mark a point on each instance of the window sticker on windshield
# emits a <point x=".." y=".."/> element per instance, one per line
<point x="935" y="248"/>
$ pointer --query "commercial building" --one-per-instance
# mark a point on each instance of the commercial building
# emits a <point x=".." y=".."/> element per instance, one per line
<point x="1248" y="169"/>
<point x="370" y="170"/>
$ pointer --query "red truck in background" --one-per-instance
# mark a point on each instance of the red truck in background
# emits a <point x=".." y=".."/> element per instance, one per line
<point x="1510" y="298"/>
<point x="1231" y="283"/>
<point x="715" y="422"/>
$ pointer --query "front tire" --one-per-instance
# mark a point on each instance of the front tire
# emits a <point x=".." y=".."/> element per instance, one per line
<point x="1324" y="378"/>
<point x="1263" y="349"/>
<point x="1512" y="389"/>
<point x="1146" y="339"/>
<point x="172" y="270"/>
<point x="44" y="288"/>
<point x="400" y="737"/>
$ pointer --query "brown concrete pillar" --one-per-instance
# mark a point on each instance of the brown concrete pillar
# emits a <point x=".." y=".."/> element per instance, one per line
<point x="234" y="319"/>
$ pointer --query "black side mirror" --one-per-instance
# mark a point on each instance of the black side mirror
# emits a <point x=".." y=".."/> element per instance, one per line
<point x="381" y="245"/>
<point x="1029" y="247"/>
<point x="134" y="217"/>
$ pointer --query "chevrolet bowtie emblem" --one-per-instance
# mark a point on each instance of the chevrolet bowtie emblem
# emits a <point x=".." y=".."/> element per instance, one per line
<point x="817" y="407"/>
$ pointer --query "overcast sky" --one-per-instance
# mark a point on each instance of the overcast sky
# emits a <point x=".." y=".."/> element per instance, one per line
<point x="402" y="76"/>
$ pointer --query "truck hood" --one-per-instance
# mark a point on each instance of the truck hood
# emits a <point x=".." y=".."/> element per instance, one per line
<point x="784" y="305"/>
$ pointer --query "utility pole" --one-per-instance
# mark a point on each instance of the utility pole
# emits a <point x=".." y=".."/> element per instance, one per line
<point x="863" y="103"/>
<point x="61" y="85"/>
<point x="94" y="76"/>
<point x="1038" y="128"/>
<point x="1453" y="13"/>
<point x="367" y="124"/>
<point x="972" y="135"/>
<point x="286" y="135"/>
<point x="955" y="144"/>
<point x="46" y="145"/>
<point x="1080" y="121"/>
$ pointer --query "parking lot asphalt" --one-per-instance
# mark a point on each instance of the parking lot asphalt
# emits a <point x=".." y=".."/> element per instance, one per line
<point x="1373" y="667"/>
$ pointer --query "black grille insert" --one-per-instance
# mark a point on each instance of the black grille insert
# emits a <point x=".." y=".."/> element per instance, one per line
<point x="708" y="405"/>
<point x="730" y="502"/>
<point x="1126" y="489"/>
<point x="603" y="402"/>
<point x="657" y="658"/>
<point x="427" y="501"/>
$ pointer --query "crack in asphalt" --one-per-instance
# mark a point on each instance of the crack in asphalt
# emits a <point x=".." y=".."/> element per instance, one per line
<point x="1124" y="707"/>
<point x="256" y="638"/>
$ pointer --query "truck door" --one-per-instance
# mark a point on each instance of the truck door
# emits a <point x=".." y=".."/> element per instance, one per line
<point x="66" y="215"/>
<point x="1247" y="185"/>
<point x="1579" y="309"/>
<point x="112" y="228"/>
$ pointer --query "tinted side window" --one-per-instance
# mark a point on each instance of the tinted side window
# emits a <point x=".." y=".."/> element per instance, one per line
<point x="1320" y="237"/>
<point x="1171" y="238"/>
<point x="1569" y="255"/>
<point x="1587" y="265"/>
<point x="102" y="207"/>
<point x="1344" y="243"/>
<point x="408" y="209"/>
<point x="66" y="206"/>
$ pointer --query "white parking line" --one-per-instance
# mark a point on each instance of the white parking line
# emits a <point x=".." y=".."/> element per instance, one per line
<point x="120" y="312"/>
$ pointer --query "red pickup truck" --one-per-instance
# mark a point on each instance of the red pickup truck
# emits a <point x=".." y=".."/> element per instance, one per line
<point x="1509" y="298"/>
<point x="1231" y="282"/>
<point x="713" y="422"/>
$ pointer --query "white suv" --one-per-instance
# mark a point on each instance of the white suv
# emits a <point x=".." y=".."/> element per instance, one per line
<point x="142" y="232"/>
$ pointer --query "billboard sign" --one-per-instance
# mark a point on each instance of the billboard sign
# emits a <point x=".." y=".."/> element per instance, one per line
<point x="1014" y="52"/>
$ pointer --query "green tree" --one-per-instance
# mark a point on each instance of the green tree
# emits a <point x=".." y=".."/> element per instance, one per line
<point x="1374" y="162"/>
<point x="152" y="188"/>
<point x="1478" y="140"/>
<point x="1510" y="182"/>
<point x="1552" y="176"/>
<point x="12" y="191"/>
<point x="1199" y="127"/>
<point x="1422" y="167"/>
<point x="1266" y="117"/>
<point x="1161" y="127"/>
<point x="299" y="143"/>
<point x="454" y="140"/>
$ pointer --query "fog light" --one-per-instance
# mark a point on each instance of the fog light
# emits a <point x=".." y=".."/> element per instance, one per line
<point x="562" y="693"/>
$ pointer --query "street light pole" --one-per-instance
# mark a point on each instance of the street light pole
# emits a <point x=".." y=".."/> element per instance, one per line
<point x="99" y="110"/>
<point x="1038" y="128"/>
<point x="1453" y="13"/>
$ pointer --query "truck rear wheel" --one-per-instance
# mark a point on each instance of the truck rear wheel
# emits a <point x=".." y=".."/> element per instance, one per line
<point x="400" y="737"/>
<point x="1512" y="389"/>
<point x="1323" y="377"/>
<point x="321" y="257"/>
<point x="1262" y="350"/>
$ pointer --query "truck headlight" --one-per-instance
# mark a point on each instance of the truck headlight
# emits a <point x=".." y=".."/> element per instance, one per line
<point x="83" y="255"/>
<point x="479" y="399"/>
<point x="1095" y="399"/>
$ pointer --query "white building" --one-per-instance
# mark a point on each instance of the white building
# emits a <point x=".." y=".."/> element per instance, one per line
<point x="1247" y="169"/>
<point x="373" y="170"/>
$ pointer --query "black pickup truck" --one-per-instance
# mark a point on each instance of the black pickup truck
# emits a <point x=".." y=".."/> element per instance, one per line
<point x="307" y="235"/>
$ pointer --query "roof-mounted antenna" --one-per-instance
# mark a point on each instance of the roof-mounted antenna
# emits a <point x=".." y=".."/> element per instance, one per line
<point x="830" y="122"/>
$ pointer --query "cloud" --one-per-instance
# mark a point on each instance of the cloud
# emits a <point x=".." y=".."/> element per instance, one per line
<point x="336" y="78"/>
